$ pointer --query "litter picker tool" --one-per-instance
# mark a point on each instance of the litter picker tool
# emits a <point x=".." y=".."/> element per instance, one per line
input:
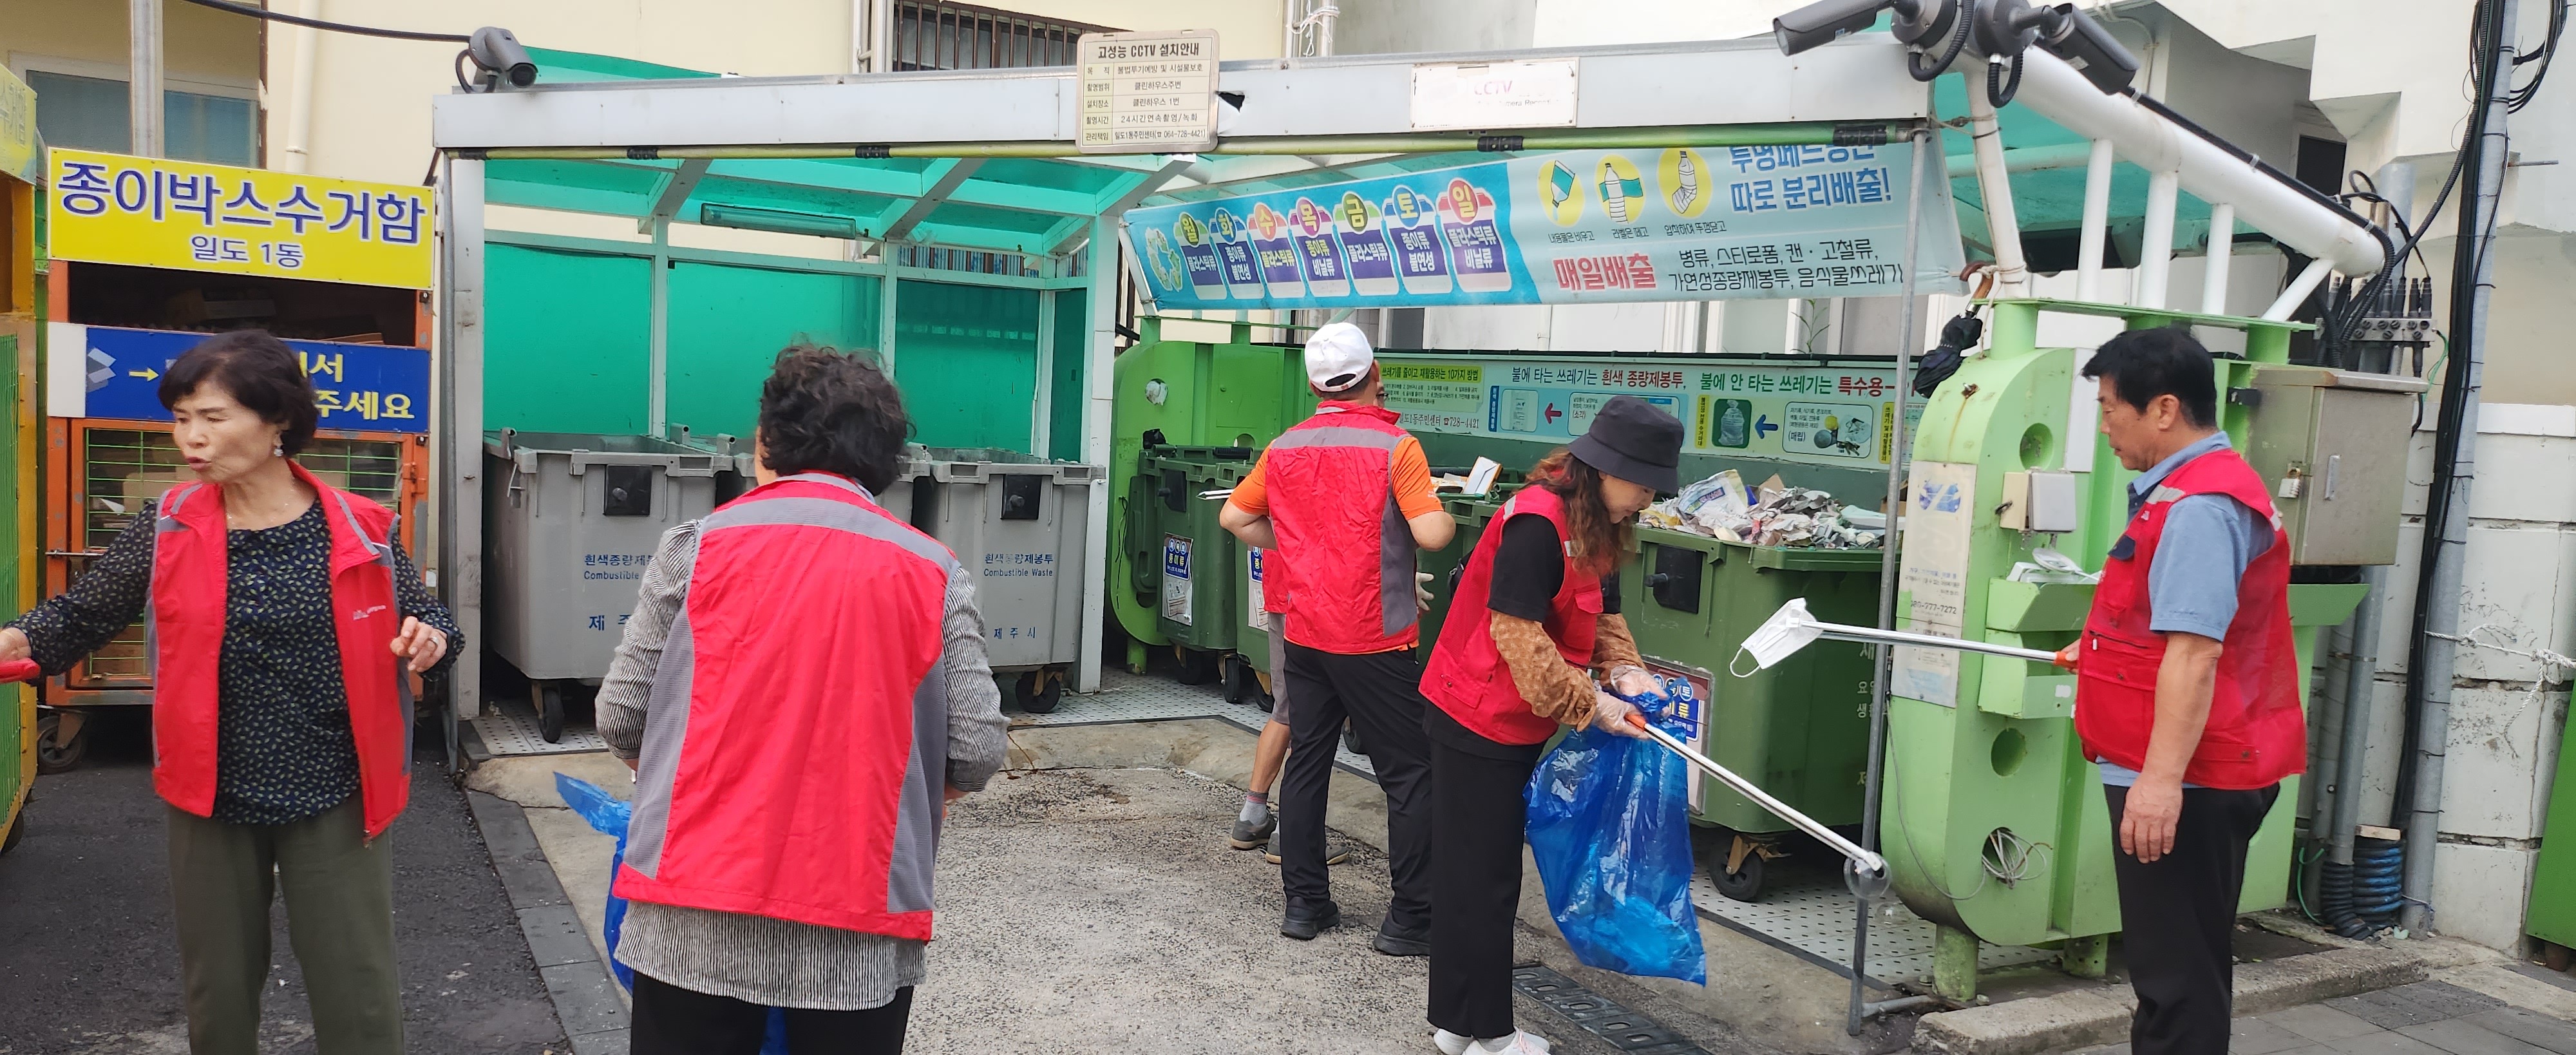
<point x="1864" y="872"/>
<point x="1791" y="629"/>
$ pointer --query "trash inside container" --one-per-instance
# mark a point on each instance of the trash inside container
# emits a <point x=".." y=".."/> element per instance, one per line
<point x="573" y="520"/>
<point x="1019" y="524"/>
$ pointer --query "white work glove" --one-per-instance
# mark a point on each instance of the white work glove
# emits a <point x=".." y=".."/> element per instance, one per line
<point x="1611" y="714"/>
<point x="1634" y="681"/>
<point x="1422" y="591"/>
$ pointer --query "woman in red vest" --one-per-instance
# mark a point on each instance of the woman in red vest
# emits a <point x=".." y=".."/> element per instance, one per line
<point x="284" y="615"/>
<point x="1535" y="618"/>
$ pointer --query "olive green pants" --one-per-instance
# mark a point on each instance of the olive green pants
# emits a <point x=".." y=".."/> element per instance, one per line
<point x="339" y="916"/>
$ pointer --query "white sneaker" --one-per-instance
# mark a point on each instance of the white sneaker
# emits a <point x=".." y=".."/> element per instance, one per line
<point x="1460" y="1044"/>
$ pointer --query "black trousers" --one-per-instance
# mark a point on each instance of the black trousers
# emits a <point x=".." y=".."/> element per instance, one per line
<point x="2178" y="915"/>
<point x="669" y="1020"/>
<point x="1381" y="695"/>
<point x="1477" y="813"/>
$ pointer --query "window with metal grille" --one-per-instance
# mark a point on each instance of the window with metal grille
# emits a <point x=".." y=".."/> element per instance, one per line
<point x="942" y="36"/>
<point x="124" y="468"/>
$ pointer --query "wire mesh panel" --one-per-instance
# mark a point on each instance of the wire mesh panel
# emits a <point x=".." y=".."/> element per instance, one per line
<point x="941" y="36"/>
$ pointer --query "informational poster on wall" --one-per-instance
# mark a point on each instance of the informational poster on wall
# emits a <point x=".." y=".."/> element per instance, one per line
<point x="1176" y="579"/>
<point x="1941" y="507"/>
<point x="1255" y="615"/>
<point x="1823" y="413"/>
<point x="1683" y="223"/>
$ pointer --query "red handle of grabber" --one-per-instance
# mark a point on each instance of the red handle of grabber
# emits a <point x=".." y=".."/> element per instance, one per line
<point x="20" y="670"/>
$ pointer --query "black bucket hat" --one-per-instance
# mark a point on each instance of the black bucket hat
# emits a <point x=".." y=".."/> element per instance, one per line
<point x="1634" y="441"/>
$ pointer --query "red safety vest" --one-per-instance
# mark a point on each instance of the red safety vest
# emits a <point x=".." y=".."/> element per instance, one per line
<point x="1466" y="676"/>
<point x="191" y="556"/>
<point x="793" y="765"/>
<point x="2256" y="733"/>
<point x="1344" y="580"/>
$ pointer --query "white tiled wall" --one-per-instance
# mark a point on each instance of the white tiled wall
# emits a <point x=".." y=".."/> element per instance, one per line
<point x="2479" y="893"/>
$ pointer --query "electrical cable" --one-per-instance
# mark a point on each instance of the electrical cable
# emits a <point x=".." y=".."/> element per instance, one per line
<point x="1998" y="91"/>
<point x="336" y="27"/>
<point x="2523" y="95"/>
<point x="1967" y="15"/>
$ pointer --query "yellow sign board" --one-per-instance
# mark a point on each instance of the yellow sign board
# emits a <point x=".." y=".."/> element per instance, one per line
<point x="18" y="153"/>
<point x="151" y="212"/>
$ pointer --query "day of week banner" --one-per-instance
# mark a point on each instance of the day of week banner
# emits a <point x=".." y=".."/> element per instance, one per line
<point x="151" y="212"/>
<point x="1686" y="223"/>
<point x="1826" y="414"/>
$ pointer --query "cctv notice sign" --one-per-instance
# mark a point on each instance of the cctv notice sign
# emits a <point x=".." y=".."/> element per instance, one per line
<point x="1148" y="93"/>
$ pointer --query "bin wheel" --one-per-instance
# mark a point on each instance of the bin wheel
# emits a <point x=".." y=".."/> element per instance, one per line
<point x="1039" y="691"/>
<point x="56" y="753"/>
<point x="1238" y="679"/>
<point x="1739" y="874"/>
<point x="1351" y="739"/>
<point x="1197" y="668"/>
<point x="550" y="714"/>
<point x="17" y="831"/>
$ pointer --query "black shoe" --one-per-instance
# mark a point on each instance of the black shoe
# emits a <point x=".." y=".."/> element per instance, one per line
<point x="1251" y="835"/>
<point x="1303" y="926"/>
<point x="1396" y="941"/>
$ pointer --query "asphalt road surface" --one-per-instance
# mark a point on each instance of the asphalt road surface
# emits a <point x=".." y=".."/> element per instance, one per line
<point x="89" y="963"/>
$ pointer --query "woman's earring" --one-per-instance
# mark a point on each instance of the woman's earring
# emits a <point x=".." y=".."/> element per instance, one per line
<point x="278" y="449"/>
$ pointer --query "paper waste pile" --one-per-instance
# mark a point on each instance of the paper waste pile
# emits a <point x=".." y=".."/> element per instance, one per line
<point x="1775" y="515"/>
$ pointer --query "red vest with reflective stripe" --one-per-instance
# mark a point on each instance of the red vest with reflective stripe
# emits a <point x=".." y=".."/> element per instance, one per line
<point x="1345" y="574"/>
<point x="2256" y="733"/>
<point x="191" y="556"/>
<point x="796" y="742"/>
<point x="1466" y="676"/>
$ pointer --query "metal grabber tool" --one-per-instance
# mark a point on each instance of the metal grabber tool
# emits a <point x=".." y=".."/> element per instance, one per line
<point x="1864" y="872"/>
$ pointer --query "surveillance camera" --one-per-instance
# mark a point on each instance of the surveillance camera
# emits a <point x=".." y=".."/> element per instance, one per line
<point x="1820" y="23"/>
<point x="2084" y="44"/>
<point x="499" y="53"/>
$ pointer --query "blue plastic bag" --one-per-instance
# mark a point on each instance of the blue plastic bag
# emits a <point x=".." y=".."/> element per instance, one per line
<point x="608" y="815"/>
<point x="1609" y="824"/>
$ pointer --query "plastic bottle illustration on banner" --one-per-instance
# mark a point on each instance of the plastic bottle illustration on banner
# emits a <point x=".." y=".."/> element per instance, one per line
<point x="1682" y="170"/>
<point x="1561" y="191"/>
<point x="1160" y="259"/>
<point x="1415" y="223"/>
<point x="1467" y="223"/>
<point x="1362" y="231"/>
<point x="1316" y="252"/>
<point x="1731" y="423"/>
<point x="1623" y="191"/>
<point x="1234" y="249"/>
<point x="1275" y="246"/>
<point x="1198" y="254"/>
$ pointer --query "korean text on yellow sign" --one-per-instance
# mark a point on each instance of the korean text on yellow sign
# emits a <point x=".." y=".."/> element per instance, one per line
<point x="151" y="212"/>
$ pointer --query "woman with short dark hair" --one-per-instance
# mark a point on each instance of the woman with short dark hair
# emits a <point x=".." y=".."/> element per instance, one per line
<point x="783" y="856"/>
<point x="285" y="614"/>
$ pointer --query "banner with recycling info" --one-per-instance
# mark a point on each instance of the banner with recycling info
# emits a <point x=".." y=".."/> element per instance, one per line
<point x="1687" y="223"/>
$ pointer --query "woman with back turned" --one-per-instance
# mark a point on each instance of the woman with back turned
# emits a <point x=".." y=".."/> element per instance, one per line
<point x="285" y="614"/>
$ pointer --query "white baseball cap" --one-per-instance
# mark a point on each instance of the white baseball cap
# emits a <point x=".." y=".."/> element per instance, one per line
<point x="1338" y="357"/>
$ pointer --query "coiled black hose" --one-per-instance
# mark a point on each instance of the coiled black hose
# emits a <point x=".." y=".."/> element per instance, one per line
<point x="1967" y="16"/>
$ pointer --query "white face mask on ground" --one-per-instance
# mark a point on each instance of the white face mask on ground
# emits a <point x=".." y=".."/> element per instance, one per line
<point x="1780" y="636"/>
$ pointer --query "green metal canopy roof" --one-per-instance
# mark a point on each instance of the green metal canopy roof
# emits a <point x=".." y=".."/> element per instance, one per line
<point x="1046" y="206"/>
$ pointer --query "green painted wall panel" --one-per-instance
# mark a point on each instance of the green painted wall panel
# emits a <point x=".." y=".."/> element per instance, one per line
<point x="728" y="324"/>
<point x="966" y="357"/>
<point x="1072" y="350"/>
<point x="567" y="345"/>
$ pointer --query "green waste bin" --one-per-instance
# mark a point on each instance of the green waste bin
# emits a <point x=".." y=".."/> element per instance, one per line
<point x="1799" y="730"/>
<point x="1183" y="567"/>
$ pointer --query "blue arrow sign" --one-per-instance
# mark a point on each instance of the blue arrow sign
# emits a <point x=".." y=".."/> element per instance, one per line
<point x="1763" y="428"/>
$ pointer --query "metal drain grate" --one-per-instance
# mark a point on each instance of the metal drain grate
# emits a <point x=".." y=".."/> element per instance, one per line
<point x="1814" y="917"/>
<point x="1599" y="1015"/>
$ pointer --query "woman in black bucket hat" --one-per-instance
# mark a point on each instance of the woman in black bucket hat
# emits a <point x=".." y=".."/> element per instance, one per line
<point x="1535" y="620"/>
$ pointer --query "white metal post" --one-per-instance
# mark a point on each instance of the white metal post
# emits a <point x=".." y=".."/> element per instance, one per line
<point x="657" y="339"/>
<point x="2222" y="245"/>
<point x="885" y="308"/>
<point x="1042" y="415"/>
<point x="2097" y="223"/>
<point x="2297" y="292"/>
<point x="1994" y="187"/>
<point x="1099" y="361"/>
<point x="460" y="428"/>
<point x="2155" y="245"/>
<point x="143" y="75"/>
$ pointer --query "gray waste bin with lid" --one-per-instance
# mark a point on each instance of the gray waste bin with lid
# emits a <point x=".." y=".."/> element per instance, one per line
<point x="572" y="520"/>
<point x="1018" y="523"/>
<point x="734" y="458"/>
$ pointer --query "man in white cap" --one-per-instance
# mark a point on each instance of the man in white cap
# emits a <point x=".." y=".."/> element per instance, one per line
<point x="1339" y="502"/>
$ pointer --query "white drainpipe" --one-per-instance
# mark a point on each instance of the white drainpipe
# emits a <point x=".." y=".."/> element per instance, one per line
<point x="299" y="107"/>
